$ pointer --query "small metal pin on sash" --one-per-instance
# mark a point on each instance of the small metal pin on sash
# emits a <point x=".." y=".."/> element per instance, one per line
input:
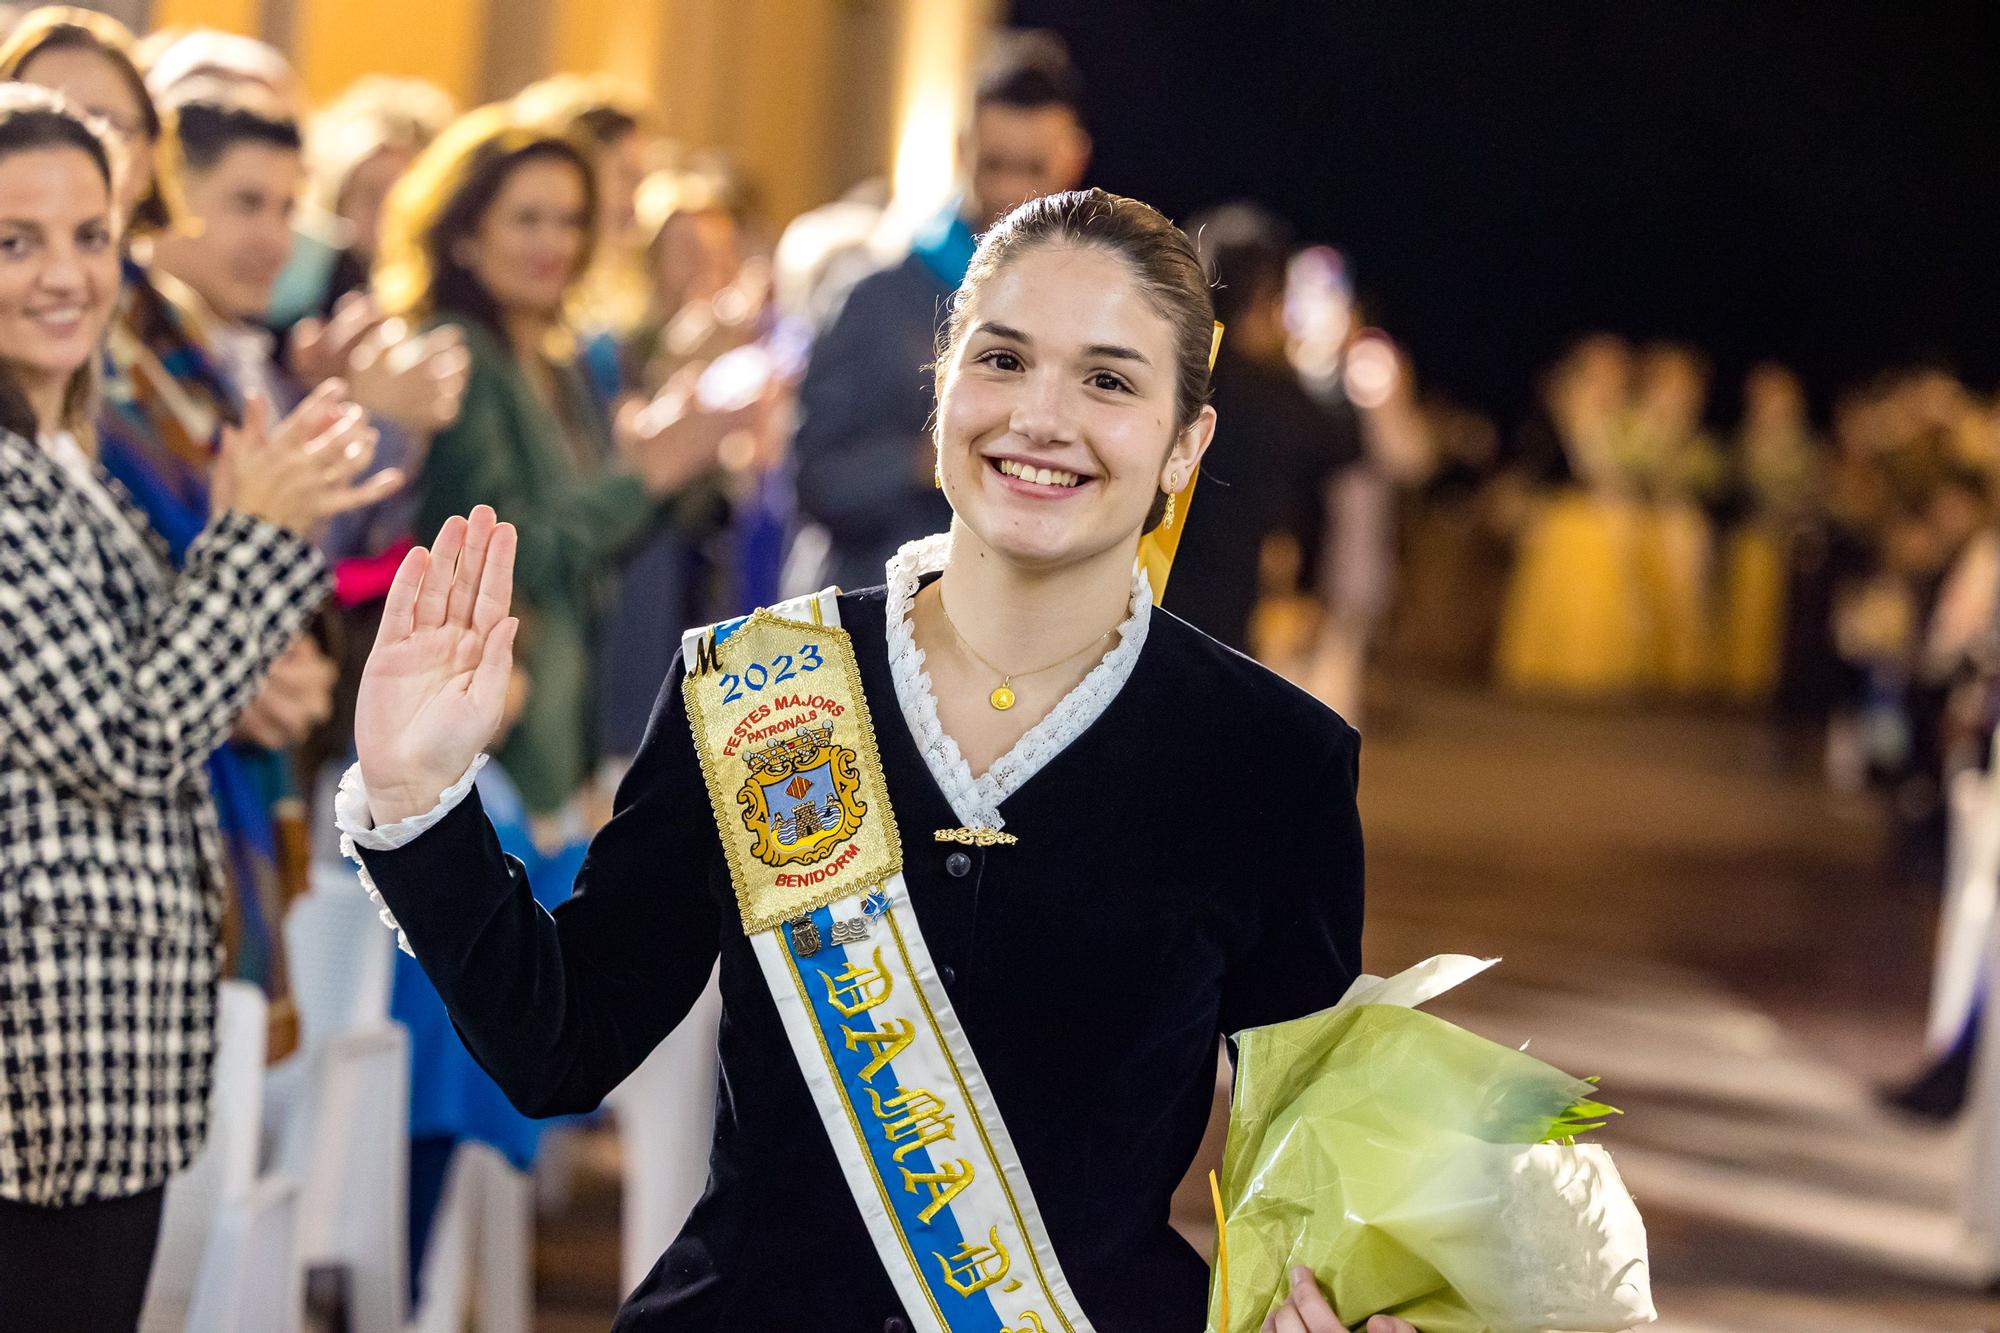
<point x="805" y="936"/>
<point x="807" y="939"/>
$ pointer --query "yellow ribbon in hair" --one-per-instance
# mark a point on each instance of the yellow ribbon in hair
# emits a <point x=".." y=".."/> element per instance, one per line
<point x="1156" y="548"/>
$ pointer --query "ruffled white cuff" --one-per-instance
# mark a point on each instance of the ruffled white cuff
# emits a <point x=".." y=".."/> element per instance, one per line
<point x="357" y="830"/>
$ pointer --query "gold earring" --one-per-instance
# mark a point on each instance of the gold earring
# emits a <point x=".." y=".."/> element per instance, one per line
<point x="1167" y="517"/>
<point x="937" y="474"/>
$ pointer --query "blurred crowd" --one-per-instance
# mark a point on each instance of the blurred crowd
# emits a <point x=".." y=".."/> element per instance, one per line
<point x="540" y="305"/>
<point x="687" y="411"/>
<point x="1627" y="541"/>
<point x="1842" y="581"/>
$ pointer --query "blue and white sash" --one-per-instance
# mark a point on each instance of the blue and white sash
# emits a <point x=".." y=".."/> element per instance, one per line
<point x="788" y="754"/>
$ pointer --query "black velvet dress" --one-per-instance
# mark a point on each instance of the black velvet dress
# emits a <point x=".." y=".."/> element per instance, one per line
<point x="1189" y="865"/>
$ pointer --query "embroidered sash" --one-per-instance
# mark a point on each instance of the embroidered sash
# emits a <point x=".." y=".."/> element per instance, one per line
<point x="788" y="755"/>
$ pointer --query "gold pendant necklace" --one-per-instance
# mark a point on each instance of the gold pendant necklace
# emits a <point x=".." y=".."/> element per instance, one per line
<point x="1002" y="698"/>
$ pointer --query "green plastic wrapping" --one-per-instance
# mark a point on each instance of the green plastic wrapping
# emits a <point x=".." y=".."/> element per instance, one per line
<point x="1404" y="1161"/>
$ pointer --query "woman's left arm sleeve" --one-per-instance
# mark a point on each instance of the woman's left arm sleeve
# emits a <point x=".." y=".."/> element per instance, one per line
<point x="116" y="715"/>
<point x="560" y="1007"/>
<point x="1306" y="947"/>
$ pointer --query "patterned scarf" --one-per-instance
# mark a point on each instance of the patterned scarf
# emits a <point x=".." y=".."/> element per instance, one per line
<point x="165" y="400"/>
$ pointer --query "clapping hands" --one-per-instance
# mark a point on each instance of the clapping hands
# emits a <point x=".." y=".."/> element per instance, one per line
<point x="673" y="439"/>
<point x="416" y="380"/>
<point x="296" y="697"/>
<point x="302" y="471"/>
<point x="413" y="380"/>
<point x="320" y="348"/>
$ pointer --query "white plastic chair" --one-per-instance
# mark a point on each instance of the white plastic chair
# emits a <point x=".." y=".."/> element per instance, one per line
<point x="341" y="1111"/>
<point x="210" y="1217"/>
<point x="666" y="1118"/>
<point x="249" y="1283"/>
<point x="1971" y="902"/>
<point x="481" y="1249"/>
<point x="340" y="972"/>
<point x="341" y="955"/>
<point x="1981" y="1208"/>
<point x="347" y="1144"/>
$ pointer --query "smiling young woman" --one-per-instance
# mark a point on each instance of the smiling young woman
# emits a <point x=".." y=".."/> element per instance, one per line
<point x="968" y="1046"/>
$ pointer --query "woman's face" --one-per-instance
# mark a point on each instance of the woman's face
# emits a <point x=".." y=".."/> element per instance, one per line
<point x="58" y="264"/>
<point x="1673" y="390"/>
<point x="1056" y="419"/>
<point x="367" y="189"/>
<point x="94" y="82"/>
<point x="1592" y="384"/>
<point x="529" y="244"/>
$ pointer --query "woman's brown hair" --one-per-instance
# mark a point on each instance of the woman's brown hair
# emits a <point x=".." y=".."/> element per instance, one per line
<point x="66" y="28"/>
<point x="439" y="203"/>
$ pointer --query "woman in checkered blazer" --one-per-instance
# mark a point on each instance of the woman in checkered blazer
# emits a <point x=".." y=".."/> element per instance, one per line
<point x="118" y="677"/>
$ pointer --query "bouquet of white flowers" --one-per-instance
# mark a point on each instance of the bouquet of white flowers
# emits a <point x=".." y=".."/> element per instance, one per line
<point x="1422" y="1172"/>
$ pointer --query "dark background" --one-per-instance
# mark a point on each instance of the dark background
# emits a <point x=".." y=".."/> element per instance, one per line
<point x="1817" y="183"/>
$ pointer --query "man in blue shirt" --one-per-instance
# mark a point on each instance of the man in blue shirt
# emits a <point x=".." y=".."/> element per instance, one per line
<point x="863" y="451"/>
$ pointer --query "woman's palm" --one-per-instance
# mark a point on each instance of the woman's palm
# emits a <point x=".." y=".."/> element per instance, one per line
<point x="436" y="681"/>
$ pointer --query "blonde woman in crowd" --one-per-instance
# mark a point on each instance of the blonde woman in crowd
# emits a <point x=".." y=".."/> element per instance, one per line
<point x="93" y="60"/>
<point x="706" y="303"/>
<point x="1678" y="470"/>
<point x="1572" y="622"/>
<point x="489" y="233"/>
<point x="172" y="57"/>
<point x="606" y="119"/>
<point x="694" y="254"/>
<point x="357" y="147"/>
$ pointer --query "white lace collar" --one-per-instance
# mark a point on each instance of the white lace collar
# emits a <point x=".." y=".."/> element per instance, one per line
<point x="976" y="801"/>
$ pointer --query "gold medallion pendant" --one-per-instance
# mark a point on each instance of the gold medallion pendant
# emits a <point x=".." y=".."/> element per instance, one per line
<point x="1002" y="697"/>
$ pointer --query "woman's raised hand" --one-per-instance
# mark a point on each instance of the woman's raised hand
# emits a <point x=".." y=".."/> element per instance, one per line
<point x="302" y="471"/>
<point x="1307" y="1311"/>
<point x="436" y="681"/>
